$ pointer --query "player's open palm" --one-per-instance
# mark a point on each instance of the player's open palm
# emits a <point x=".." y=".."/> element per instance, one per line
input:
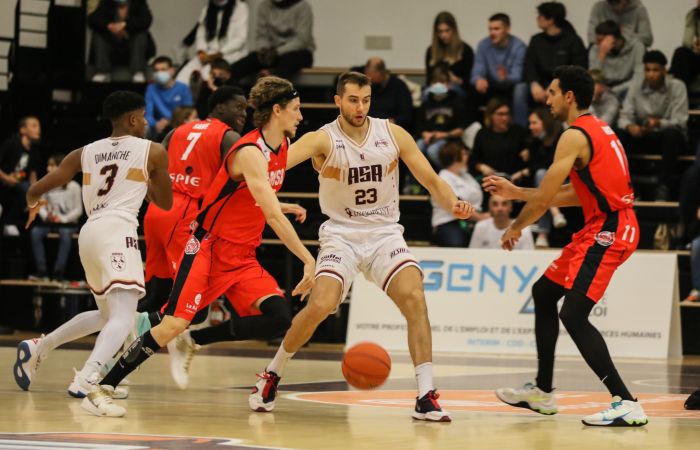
<point x="495" y="185"/>
<point x="462" y="210"/>
<point x="304" y="287"/>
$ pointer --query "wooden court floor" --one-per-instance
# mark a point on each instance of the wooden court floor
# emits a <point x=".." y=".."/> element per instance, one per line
<point x="317" y="411"/>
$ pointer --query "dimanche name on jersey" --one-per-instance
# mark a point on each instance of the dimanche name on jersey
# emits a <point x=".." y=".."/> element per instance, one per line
<point x="112" y="156"/>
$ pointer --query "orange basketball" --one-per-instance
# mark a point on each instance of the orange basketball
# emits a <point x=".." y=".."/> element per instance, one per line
<point x="366" y="365"/>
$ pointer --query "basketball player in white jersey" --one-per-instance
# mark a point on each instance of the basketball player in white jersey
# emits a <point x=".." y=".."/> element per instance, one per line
<point x="357" y="158"/>
<point x="118" y="172"/>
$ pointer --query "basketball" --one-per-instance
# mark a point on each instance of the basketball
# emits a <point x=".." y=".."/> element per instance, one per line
<point x="366" y="365"/>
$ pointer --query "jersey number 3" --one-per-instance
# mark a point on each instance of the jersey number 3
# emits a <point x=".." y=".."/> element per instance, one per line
<point x="109" y="181"/>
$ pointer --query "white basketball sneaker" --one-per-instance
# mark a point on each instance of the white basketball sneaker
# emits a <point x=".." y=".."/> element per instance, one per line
<point x="27" y="362"/>
<point x="182" y="349"/>
<point x="99" y="402"/>
<point x="82" y="385"/>
<point x="262" y="399"/>
<point x="529" y="396"/>
<point x="622" y="413"/>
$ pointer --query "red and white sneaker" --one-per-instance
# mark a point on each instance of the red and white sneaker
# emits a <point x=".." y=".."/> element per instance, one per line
<point x="428" y="408"/>
<point x="262" y="399"/>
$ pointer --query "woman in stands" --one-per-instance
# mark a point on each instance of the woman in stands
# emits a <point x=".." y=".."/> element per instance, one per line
<point x="449" y="50"/>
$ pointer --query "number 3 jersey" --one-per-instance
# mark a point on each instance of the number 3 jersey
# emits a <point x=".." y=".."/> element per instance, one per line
<point x="115" y="176"/>
<point x="359" y="182"/>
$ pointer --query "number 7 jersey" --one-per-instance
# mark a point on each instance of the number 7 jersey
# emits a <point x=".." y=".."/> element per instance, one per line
<point x="358" y="183"/>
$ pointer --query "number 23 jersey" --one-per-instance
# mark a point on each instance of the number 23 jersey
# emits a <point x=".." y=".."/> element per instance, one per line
<point x="358" y="183"/>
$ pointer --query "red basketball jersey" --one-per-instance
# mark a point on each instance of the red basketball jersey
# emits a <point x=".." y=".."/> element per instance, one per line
<point x="229" y="210"/>
<point x="604" y="185"/>
<point x="194" y="156"/>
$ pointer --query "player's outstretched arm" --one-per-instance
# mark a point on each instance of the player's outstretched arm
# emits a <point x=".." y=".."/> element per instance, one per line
<point x="309" y="145"/>
<point x="426" y="176"/>
<point x="251" y="163"/>
<point x="160" y="189"/>
<point x="495" y="185"/>
<point x="64" y="173"/>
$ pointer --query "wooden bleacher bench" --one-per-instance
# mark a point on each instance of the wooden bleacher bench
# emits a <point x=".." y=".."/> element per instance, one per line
<point x="49" y="287"/>
<point x="658" y="157"/>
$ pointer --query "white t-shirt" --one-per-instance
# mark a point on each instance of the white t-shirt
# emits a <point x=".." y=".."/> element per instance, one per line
<point x="486" y="235"/>
<point x="465" y="187"/>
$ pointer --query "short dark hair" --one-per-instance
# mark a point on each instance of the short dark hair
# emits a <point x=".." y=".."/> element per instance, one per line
<point x="655" y="57"/>
<point x="553" y="10"/>
<point x="119" y="103"/>
<point x="577" y="80"/>
<point x="162" y="59"/>
<point x="23" y="121"/>
<point x="451" y="152"/>
<point x="608" y="27"/>
<point x="220" y="63"/>
<point x="503" y="17"/>
<point x="357" y="78"/>
<point x="223" y="95"/>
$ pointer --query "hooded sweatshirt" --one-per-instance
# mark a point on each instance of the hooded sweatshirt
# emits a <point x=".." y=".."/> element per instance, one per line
<point x="633" y="20"/>
<point x="545" y="53"/>
<point x="619" y="67"/>
<point x="285" y="26"/>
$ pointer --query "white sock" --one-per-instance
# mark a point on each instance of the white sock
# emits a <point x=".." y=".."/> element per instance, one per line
<point x="79" y="326"/>
<point x="424" y="377"/>
<point x="122" y="305"/>
<point x="280" y="360"/>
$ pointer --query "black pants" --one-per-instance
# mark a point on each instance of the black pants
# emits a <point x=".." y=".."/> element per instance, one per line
<point x="670" y="141"/>
<point x="107" y="46"/>
<point x="286" y="65"/>
<point x="685" y="65"/>
<point x="13" y="201"/>
<point x="451" y="234"/>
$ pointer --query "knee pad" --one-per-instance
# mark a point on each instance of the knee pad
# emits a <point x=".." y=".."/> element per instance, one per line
<point x="277" y="309"/>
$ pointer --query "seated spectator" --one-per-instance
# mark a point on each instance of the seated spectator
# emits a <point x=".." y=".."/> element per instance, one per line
<point x="500" y="147"/>
<point x="544" y="135"/>
<point x="631" y="15"/>
<point x="181" y="115"/>
<point x="487" y="233"/>
<point x="284" y="43"/>
<point x="448" y="231"/>
<point x="164" y="96"/>
<point x="63" y="208"/>
<point x="654" y="117"/>
<point x="441" y="116"/>
<point x="685" y="64"/>
<point x="498" y="67"/>
<point x="449" y="50"/>
<point x="618" y="57"/>
<point x="120" y="27"/>
<point x="391" y="99"/>
<point x="605" y="104"/>
<point x="222" y="32"/>
<point x="557" y="44"/>
<point x="219" y="75"/>
<point x="689" y="209"/>
<point x="19" y="163"/>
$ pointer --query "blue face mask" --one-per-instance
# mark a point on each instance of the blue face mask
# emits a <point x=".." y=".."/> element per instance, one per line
<point x="438" y="89"/>
<point x="162" y="77"/>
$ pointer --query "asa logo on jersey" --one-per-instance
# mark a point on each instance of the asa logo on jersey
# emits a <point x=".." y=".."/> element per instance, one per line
<point x="605" y="238"/>
<point x="118" y="261"/>
<point x="365" y="174"/>
<point x="192" y="246"/>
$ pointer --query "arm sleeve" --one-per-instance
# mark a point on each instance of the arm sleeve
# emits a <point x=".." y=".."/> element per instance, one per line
<point x="262" y="40"/>
<point x="679" y="107"/>
<point x="302" y="31"/>
<point x="75" y="203"/>
<point x="593" y="61"/>
<point x="141" y="18"/>
<point x="579" y="56"/>
<point x="610" y="109"/>
<point x="237" y="33"/>
<point x="515" y="69"/>
<point x="405" y="105"/>
<point x="530" y="70"/>
<point x="627" y="113"/>
<point x="201" y="34"/>
<point x="644" y="27"/>
<point x="99" y="19"/>
<point x="479" y="68"/>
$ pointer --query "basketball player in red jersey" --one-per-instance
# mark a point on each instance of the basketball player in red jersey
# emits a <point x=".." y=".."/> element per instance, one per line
<point x="220" y="254"/>
<point x="591" y="156"/>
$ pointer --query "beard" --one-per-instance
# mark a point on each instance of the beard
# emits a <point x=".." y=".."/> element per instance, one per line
<point x="350" y="119"/>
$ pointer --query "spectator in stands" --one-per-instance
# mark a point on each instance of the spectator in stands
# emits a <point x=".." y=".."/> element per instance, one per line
<point x="284" y="43"/>
<point x="181" y="115"/>
<point x="501" y="146"/>
<point x="557" y="44"/>
<point x="222" y="32"/>
<point x="487" y="233"/>
<point x="447" y="231"/>
<point x="498" y="67"/>
<point x="689" y="207"/>
<point x="654" y="117"/>
<point x="685" y="64"/>
<point x="544" y="135"/>
<point x="631" y="15"/>
<point x="449" y="50"/>
<point x="441" y="116"/>
<point x="219" y="75"/>
<point x="19" y="163"/>
<point x="164" y="96"/>
<point x="63" y="208"/>
<point x="121" y="27"/>
<point x="617" y="56"/>
<point x="605" y="104"/>
<point x="391" y="99"/>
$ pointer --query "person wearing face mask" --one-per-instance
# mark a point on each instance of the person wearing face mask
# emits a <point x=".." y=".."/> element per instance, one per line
<point x="164" y="95"/>
<point x="120" y="30"/>
<point x="441" y="116"/>
<point x="618" y="57"/>
<point x="222" y="32"/>
<point x="219" y="75"/>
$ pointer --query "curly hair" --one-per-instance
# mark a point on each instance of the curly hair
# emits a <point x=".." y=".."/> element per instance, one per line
<point x="265" y="90"/>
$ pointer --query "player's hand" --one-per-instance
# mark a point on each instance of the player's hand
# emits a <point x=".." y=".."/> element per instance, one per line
<point x="33" y="211"/>
<point x="481" y="85"/>
<point x="462" y="210"/>
<point x="307" y="281"/>
<point x="510" y="238"/>
<point x="298" y="211"/>
<point x="538" y="93"/>
<point x="495" y="185"/>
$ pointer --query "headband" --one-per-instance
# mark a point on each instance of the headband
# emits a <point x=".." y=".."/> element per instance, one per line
<point x="289" y="95"/>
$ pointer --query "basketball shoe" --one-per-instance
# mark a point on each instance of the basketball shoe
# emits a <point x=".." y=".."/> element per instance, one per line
<point x="99" y="402"/>
<point x="27" y="362"/>
<point x="181" y="350"/>
<point x="262" y="399"/>
<point x="428" y="408"/>
<point x="82" y="385"/>
<point x="529" y="396"/>
<point x="622" y="413"/>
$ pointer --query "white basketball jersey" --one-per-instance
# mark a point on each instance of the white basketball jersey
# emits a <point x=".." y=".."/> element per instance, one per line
<point x="115" y="176"/>
<point x="359" y="183"/>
